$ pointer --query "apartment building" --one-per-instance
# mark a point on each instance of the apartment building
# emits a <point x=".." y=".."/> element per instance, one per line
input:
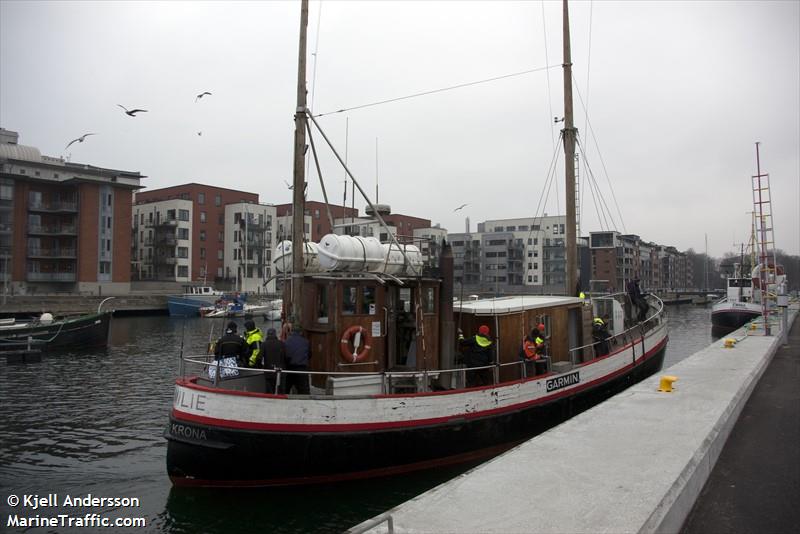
<point x="618" y="258"/>
<point x="162" y="241"/>
<point x="206" y="246"/>
<point x="65" y="227"/>
<point x="249" y="243"/>
<point x="521" y="255"/>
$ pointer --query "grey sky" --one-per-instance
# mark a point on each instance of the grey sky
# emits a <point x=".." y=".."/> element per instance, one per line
<point x="677" y="93"/>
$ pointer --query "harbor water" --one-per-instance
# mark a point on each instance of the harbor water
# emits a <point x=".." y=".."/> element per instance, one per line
<point x="93" y="423"/>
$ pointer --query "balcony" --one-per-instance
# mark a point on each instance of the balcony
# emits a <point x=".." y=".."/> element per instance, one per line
<point x="64" y="229"/>
<point x="166" y="240"/>
<point x="5" y="228"/>
<point x="51" y="277"/>
<point x="158" y="222"/>
<point x="63" y="206"/>
<point x="52" y="253"/>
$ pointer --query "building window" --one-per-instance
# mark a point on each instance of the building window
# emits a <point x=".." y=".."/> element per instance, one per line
<point x="221" y="219"/>
<point x="183" y="215"/>
<point x="183" y="271"/>
<point x="221" y="237"/>
<point x="201" y="198"/>
<point x="202" y="235"/>
<point x="185" y="196"/>
<point x="170" y="215"/>
<point x="236" y="236"/>
<point x="183" y="252"/>
<point x="202" y="253"/>
<point x="202" y="216"/>
<point x="183" y="233"/>
<point x="220" y="254"/>
<point x="217" y="200"/>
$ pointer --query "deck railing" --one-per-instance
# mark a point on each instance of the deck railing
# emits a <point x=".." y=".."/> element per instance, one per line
<point x="420" y="380"/>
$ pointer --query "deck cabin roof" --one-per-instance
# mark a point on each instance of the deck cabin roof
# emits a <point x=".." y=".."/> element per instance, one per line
<point x="503" y="305"/>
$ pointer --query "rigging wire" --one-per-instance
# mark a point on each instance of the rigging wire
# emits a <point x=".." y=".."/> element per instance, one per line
<point x="440" y="90"/>
<point x="588" y="79"/>
<point x="551" y="174"/>
<point x="314" y="72"/>
<point x="604" y="209"/>
<point x="602" y="162"/>
<point x="549" y="93"/>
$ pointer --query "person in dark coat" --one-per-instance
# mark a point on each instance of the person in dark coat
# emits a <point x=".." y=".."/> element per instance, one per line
<point x="477" y="351"/>
<point x="272" y="356"/>
<point x="637" y="300"/>
<point x="298" y="354"/>
<point x="231" y="344"/>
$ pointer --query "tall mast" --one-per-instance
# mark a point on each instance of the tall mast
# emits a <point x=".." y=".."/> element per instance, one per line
<point x="569" y="133"/>
<point x="298" y="190"/>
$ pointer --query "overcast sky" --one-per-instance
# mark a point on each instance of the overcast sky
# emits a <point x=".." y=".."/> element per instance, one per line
<point x="677" y="94"/>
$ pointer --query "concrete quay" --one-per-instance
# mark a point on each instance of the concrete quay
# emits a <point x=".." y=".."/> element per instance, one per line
<point x="80" y="304"/>
<point x="635" y="463"/>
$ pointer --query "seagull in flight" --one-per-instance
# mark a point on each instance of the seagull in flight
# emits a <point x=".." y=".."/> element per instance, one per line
<point x="199" y="133"/>
<point x="132" y="112"/>
<point x="461" y="206"/>
<point x="80" y="139"/>
<point x="201" y="95"/>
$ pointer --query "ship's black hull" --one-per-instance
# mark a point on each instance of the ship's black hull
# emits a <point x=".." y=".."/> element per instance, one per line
<point x="203" y="455"/>
<point x="90" y="331"/>
<point x="732" y="319"/>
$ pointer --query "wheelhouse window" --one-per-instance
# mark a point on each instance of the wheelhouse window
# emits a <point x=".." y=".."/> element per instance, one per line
<point x="368" y="300"/>
<point x="349" y="299"/>
<point x="429" y="301"/>
<point x="322" y="303"/>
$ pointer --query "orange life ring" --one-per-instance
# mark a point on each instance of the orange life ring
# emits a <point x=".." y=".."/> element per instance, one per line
<point x="348" y="356"/>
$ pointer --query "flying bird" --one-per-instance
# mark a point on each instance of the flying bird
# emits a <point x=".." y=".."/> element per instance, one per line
<point x="201" y="95"/>
<point x="132" y="112"/>
<point x="199" y="133"/>
<point x="78" y="140"/>
<point x="461" y="206"/>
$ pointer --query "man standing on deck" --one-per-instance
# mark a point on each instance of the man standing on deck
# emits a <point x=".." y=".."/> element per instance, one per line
<point x="477" y="351"/>
<point x="298" y="354"/>
<point x="231" y="344"/>
<point x="272" y="356"/>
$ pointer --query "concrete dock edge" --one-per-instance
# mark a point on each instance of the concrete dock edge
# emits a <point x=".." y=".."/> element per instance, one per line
<point x="636" y="463"/>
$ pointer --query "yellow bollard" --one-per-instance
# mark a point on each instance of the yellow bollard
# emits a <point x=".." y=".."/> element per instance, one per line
<point x="753" y="326"/>
<point x="666" y="383"/>
<point x="729" y="343"/>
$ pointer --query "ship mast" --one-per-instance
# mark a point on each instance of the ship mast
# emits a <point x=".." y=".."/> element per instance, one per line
<point x="298" y="189"/>
<point x="569" y="132"/>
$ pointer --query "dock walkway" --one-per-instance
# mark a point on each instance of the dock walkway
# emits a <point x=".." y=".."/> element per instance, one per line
<point x="755" y="485"/>
<point x="635" y="463"/>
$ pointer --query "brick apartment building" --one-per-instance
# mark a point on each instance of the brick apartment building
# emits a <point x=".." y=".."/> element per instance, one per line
<point x="64" y="227"/>
<point x="207" y="223"/>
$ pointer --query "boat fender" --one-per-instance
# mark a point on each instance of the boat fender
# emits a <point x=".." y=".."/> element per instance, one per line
<point x="366" y="341"/>
<point x="46" y="318"/>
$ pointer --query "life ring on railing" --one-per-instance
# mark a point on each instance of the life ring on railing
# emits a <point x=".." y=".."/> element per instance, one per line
<point x="366" y="341"/>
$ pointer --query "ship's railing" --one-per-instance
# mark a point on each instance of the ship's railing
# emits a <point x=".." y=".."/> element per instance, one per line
<point x="389" y="381"/>
<point x="632" y="334"/>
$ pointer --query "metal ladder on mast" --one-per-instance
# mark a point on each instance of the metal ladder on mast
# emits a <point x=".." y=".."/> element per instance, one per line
<point x="762" y="206"/>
